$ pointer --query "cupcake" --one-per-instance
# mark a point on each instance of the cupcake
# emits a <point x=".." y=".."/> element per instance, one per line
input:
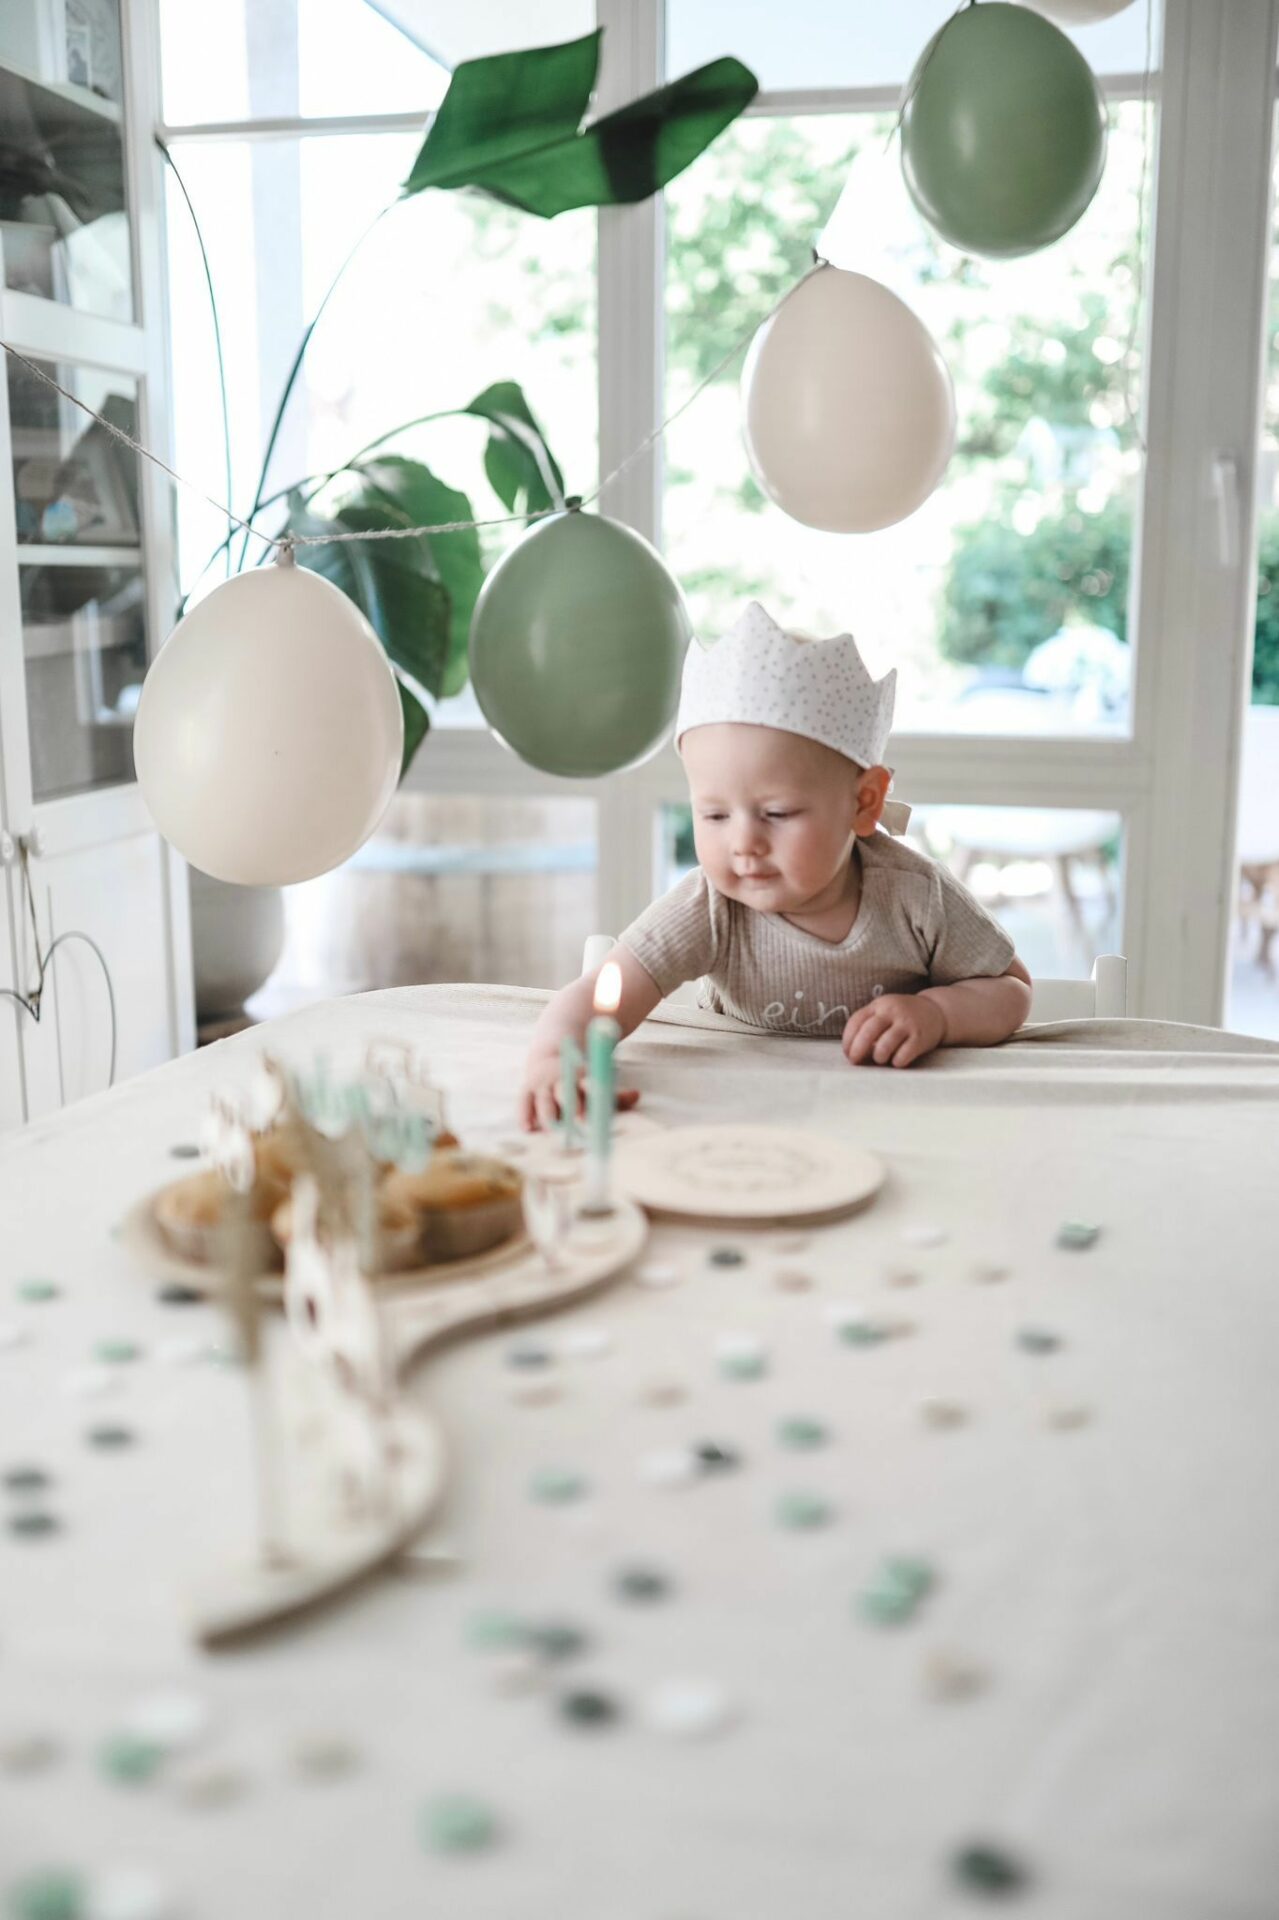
<point x="465" y="1202"/>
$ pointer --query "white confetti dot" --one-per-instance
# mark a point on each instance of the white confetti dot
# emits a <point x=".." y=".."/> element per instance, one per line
<point x="669" y="1467"/>
<point x="658" y="1273"/>
<point x="925" y="1236"/>
<point x="173" y="1720"/>
<point x="90" y="1383"/>
<point x="11" y="1336"/>
<point x="843" y="1313"/>
<point x="182" y="1350"/>
<point x="586" y="1343"/>
<point x="515" y="1673"/>
<point x="739" y="1346"/>
<point x="688" y="1709"/>
<point x="128" y="1893"/>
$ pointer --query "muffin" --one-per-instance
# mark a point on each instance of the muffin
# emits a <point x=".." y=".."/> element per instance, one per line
<point x="398" y="1232"/>
<point x="191" y="1212"/>
<point x="466" y="1203"/>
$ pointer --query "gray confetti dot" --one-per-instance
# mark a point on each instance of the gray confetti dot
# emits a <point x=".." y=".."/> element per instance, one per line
<point x="29" y="1753"/>
<point x="1038" y="1340"/>
<point x="33" y="1525"/>
<point x="26" y="1479"/>
<point x="726" y="1257"/>
<point x="641" y="1583"/>
<point x="323" y="1756"/>
<point x="586" y="1707"/>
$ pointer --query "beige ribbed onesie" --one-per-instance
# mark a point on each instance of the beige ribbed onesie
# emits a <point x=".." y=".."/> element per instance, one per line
<point x="916" y="927"/>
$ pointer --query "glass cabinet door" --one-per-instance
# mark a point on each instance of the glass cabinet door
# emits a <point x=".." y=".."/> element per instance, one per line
<point x="64" y="223"/>
<point x="81" y="579"/>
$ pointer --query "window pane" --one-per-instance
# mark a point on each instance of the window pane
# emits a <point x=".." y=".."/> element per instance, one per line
<point x="84" y="644"/>
<point x="447" y="294"/>
<point x="1049" y="875"/>
<point x="448" y="889"/>
<point x="823" y="44"/>
<point x="1003" y="602"/>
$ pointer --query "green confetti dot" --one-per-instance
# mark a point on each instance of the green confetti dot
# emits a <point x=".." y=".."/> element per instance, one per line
<point x="1077" y="1234"/>
<point x="801" y="1434"/>
<point x="54" y="1894"/>
<point x="986" y="1869"/>
<point x="109" y="1439"/>
<point x="129" y="1758"/>
<point x="117" y="1352"/>
<point x="743" y="1366"/>
<point x="557" y="1639"/>
<point x="801" y="1510"/>
<point x="555" y="1486"/>
<point x="896" y="1592"/>
<point x="37" y="1290"/>
<point x="455" y="1823"/>
<point x="492" y="1630"/>
<point x="863" y="1333"/>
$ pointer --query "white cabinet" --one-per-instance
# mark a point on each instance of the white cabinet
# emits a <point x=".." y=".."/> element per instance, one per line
<point x="86" y="575"/>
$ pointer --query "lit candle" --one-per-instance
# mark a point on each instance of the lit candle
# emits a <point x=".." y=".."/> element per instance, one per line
<point x="570" y="1067"/>
<point x="602" y="1036"/>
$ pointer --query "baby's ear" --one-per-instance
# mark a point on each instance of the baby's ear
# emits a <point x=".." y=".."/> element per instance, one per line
<point x="872" y="791"/>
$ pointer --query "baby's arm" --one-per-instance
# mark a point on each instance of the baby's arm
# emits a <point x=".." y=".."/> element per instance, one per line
<point x="569" y="1012"/>
<point x="899" y="1028"/>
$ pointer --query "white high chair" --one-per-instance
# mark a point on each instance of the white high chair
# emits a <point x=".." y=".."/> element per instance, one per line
<point x="1103" y="996"/>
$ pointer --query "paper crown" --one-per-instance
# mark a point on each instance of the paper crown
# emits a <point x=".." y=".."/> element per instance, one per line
<point x="764" y="677"/>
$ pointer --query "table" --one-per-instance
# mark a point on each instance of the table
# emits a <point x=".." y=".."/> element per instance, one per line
<point x="1116" y="1581"/>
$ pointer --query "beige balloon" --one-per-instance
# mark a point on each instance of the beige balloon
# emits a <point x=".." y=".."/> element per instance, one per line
<point x="848" y="411"/>
<point x="269" y="732"/>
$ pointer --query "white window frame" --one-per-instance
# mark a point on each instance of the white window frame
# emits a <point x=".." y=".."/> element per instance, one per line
<point x="1174" y="780"/>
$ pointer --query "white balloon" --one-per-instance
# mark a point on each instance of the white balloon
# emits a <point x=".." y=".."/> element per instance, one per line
<point x="848" y="411"/>
<point x="269" y="732"/>
<point x="1079" y="13"/>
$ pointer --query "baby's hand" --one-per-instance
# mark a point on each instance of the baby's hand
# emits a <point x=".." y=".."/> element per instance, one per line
<point x="894" y="1030"/>
<point x="539" y="1104"/>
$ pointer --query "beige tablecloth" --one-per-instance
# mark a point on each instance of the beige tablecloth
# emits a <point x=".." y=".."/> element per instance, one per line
<point x="1118" y="1582"/>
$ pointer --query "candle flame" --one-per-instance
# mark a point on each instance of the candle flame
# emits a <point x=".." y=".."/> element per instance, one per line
<point x="608" y="988"/>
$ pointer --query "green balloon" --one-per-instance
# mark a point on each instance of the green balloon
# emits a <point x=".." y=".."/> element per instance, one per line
<point x="1004" y="131"/>
<point x="577" y="642"/>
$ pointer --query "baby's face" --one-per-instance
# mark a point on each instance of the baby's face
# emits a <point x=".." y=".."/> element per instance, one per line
<point x="774" y="815"/>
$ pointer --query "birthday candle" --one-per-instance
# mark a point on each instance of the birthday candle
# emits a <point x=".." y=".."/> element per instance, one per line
<point x="602" y="1036"/>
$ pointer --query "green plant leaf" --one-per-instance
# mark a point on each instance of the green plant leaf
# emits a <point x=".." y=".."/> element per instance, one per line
<point x="393" y="582"/>
<point x="509" y="124"/>
<point x="424" y="500"/>
<point x="521" y="468"/>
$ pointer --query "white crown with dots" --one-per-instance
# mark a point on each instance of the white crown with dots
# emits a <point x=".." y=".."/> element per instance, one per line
<point x="761" y="676"/>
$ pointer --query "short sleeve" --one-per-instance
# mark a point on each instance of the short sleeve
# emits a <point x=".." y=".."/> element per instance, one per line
<point x="674" y="939"/>
<point x="967" y="942"/>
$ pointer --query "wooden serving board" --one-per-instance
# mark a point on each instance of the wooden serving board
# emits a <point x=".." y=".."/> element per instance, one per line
<point x="740" y="1172"/>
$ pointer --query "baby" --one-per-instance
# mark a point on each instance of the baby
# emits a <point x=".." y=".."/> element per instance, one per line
<point x="804" y="916"/>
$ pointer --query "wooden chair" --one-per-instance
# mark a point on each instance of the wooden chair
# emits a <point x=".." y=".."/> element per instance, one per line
<point x="1103" y="996"/>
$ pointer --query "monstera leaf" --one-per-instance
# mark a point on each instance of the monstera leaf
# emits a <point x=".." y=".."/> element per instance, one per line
<point x="520" y="466"/>
<point x="511" y="125"/>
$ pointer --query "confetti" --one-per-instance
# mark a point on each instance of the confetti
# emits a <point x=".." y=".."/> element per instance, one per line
<point x="797" y="1244"/>
<point x="37" y="1290"/>
<point x="1067" y="1418"/>
<point x="793" y="1280"/>
<point x="555" y="1485"/>
<point x="323" y="1756"/>
<point x="11" y="1336"/>
<point x="983" y="1868"/>
<point x="117" y="1352"/>
<point x="713" y="1458"/>
<point x="987" y="1274"/>
<point x="953" y="1676"/>
<point x="54" y="1894"/>
<point x="1037" y="1340"/>
<point x="903" y="1276"/>
<point x="1077" y="1235"/>
<point x="28" y="1753"/>
<point x="177" y="1295"/>
<point x="801" y="1433"/>
<point x="26" y="1479"/>
<point x="33" y="1525"/>
<point x="585" y="1707"/>
<point x="895" y="1594"/>
<point x="669" y="1467"/>
<point x="741" y="1356"/>
<point x="130" y="1893"/>
<point x="658" y="1273"/>
<point x="207" y="1788"/>
<point x="865" y="1332"/>
<point x="185" y="1150"/>
<point x="129" y="1759"/>
<point x="535" y="1393"/>
<point x="558" y="1639"/>
<point x="586" y="1343"/>
<point x="641" y="1583"/>
<point x="726" y="1257"/>
<point x="942" y="1413"/>
<point x="109" y="1439"/>
<point x="514" y="1673"/>
<point x="687" y="1709"/>
<point x="528" y="1355"/>
<point x="799" y="1511"/>
<point x="455" y="1823"/>
<point x="173" y="1720"/>
<point x="925" y="1236"/>
<point x="492" y="1629"/>
<point x="663" y="1393"/>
